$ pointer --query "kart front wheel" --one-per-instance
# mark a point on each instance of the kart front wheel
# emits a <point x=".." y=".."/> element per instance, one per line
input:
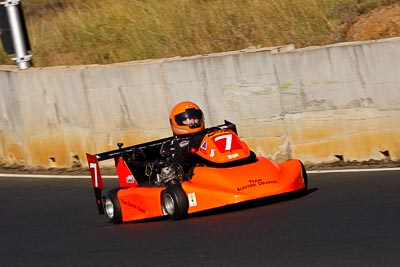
<point x="304" y="177"/>
<point x="175" y="202"/>
<point x="112" y="208"/>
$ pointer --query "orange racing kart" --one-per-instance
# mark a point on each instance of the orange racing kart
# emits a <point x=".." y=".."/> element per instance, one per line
<point x="228" y="172"/>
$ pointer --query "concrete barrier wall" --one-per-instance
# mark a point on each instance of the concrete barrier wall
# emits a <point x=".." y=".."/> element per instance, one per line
<point x="317" y="104"/>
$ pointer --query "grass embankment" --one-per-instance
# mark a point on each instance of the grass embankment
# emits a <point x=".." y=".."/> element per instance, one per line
<point x="72" y="32"/>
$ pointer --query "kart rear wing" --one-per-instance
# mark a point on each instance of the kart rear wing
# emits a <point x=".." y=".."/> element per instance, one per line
<point x="127" y="179"/>
<point x="153" y="144"/>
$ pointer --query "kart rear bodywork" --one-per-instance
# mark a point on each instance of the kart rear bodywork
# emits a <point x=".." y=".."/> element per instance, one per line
<point x="230" y="173"/>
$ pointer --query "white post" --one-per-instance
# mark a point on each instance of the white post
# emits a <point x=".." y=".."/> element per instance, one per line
<point x="20" y="47"/>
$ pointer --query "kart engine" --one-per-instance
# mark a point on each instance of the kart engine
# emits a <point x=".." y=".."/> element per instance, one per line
<point x="164" y="173"/>
<point x="170" y="174"/>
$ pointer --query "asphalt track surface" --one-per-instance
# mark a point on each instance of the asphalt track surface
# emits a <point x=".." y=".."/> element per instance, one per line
<point x="346" y="219"/>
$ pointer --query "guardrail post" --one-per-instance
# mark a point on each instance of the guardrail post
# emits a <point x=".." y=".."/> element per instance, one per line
<point x="18" y="33"/>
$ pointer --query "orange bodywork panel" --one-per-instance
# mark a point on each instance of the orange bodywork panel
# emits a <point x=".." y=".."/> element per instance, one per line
<point x="125" y="176"/>
<point x="140" y="202"/>
<point x="216" y="187"/>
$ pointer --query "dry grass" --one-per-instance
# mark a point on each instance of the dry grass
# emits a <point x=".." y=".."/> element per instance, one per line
<point x="72" y="32"/>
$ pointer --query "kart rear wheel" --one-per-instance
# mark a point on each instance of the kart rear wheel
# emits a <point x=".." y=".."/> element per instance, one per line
<point x="112" y="208"/>
<point x="175" y="202"/>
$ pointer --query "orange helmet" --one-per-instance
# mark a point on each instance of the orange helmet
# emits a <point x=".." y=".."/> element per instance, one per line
<point x="186" y="118"/>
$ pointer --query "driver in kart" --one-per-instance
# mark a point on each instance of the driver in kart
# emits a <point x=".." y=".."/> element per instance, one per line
<point x="188" y="127"/>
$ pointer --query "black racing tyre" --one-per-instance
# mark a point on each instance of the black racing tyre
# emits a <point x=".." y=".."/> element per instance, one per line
<point x="112" y="207"/>
<point x="175" y="202"/>
<point x="305" y="178"/>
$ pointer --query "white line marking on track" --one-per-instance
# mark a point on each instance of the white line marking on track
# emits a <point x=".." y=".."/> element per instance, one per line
<point x="55" y="176"/>
<point x="355" y="170"/>
<point x="51" y="176"/>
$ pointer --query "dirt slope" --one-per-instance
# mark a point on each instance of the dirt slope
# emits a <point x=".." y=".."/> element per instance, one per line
<point x="377" y="24"/>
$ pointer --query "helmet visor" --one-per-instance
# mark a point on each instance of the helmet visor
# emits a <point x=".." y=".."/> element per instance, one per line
<point x="191" y="117"/>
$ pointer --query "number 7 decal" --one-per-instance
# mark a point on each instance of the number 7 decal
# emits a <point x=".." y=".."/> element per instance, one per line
<point x="97" y="181"/>
<point x="228" y="142"/>
<point x="94" y="167"/>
